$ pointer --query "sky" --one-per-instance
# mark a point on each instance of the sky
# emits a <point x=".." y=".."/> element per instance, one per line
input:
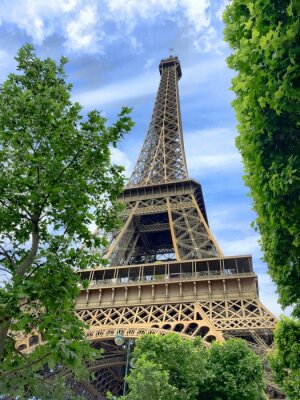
<point x="114" y="48"/>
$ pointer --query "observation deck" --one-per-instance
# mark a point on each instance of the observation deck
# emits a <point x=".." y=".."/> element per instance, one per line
<point x="165" y="281"/>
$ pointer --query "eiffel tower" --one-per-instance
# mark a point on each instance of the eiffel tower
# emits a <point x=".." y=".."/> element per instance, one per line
<point x="166" y="272"/>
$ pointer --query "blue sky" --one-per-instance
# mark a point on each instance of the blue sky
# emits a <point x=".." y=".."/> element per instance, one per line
<point x="114" y="48"/>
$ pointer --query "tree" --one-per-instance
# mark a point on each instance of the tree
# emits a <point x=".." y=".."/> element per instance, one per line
<point x="56" y="180"/>
<point x="236" y="372"/>
<point x="264" y="37"/>
<point x="172" y="368"/>
<point x="181" y="364"/>
<point x="285" y="360"/>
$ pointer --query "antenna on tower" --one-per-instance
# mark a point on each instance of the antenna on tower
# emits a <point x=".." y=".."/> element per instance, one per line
<point x="171" y="51"/>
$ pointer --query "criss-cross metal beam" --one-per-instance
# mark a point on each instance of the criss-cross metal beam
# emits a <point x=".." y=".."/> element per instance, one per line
<point x="162" y="158"/>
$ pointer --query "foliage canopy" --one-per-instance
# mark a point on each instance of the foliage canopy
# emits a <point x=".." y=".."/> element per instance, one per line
<point x="56" y="180"/>
<point x="285" y="360"/>
<point x="264" y="36"/>
<point x="172" y="368"/>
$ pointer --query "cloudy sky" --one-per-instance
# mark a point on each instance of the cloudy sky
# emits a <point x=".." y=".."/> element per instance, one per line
<point x="114" y="48"/>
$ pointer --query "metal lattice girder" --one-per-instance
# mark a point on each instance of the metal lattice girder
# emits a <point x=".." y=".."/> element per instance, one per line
<point x="173" y="226"/>
<point x="104" y="380"/>
<point x="221" y="316"/>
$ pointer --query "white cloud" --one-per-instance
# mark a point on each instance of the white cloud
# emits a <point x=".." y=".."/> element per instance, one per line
<point x="82" y="32"/>
<point x="136" y="44"/>
<point x="211" y="149"/>
<point x="147" y="84"/>
<point x="129" y="12"/>
<point x="149" y="63"/>
<point x="230" y="217"/>
<point x="221" y="9"/>
<point x="243" y="246"/>
<point x="120" y="158"/>
<point x="209" y="40"/>
<point x="202" y="72"/>
<point x="213" y="161"/>
<point x="82" y="23"/>
<point x="196" y="13"/>
<point x="68" y="5"/>
<point x="7" y="64"/>
<point x="29" y="16"/>
<point x="268" y="295"/>
<point x="75" y="20"/>
<point x="191" y="15"/>
<point x="118" y="92"/>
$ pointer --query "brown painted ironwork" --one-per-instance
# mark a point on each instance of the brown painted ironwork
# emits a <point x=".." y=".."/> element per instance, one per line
<point x="162" y="158"/>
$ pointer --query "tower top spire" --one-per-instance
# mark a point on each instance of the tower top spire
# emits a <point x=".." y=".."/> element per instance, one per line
<point x="162" y="157"/>
<point x="171" y="61"/>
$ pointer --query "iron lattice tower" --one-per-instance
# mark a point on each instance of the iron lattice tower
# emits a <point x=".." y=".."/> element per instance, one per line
<point x="165" y="270"/>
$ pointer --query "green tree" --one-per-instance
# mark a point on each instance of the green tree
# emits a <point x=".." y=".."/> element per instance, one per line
<point x="235" y="372"/>
<point x="285" y="360"/>
<point x="264" y="37"/>
<point x="171" y="368"/>
<point x="183" y="362"/>
<point x="150" y="381"/>
<point x="56" y="180"/>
